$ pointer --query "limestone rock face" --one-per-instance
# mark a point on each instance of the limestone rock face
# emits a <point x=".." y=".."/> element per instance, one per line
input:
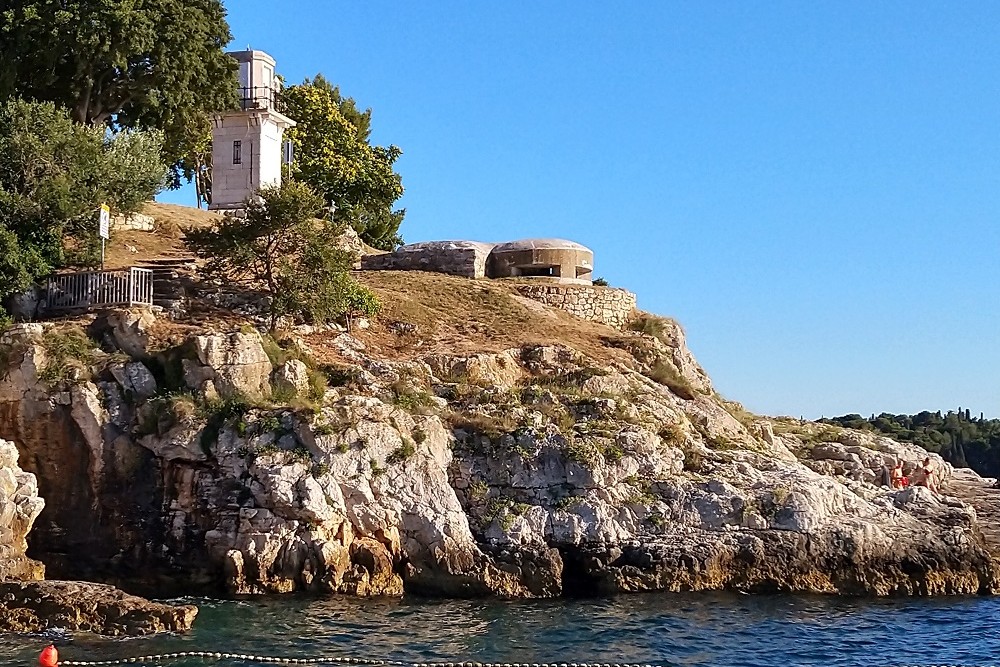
<point x="85" y="607"/>
<point x="235" y="363"/>
<point x="129" y="329"/>
<point x="19" y="507"/>
<point x="529" y="472"/>
<point x="292" y="377"/>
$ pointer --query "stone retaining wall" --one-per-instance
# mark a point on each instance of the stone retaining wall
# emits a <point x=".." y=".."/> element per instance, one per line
<point x="608" y="305"/>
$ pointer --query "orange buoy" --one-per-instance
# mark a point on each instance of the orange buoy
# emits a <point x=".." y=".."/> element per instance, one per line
<point x="49" y="657"/>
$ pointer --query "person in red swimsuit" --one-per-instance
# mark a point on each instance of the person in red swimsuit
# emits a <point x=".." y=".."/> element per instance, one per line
<point x="896" y="476"/>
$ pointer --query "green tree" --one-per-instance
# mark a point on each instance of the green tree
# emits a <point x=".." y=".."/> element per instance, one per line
<point x="333" y="155"/>
<point x="150" y="64"/>
<point x="280" y="248"/>
<point x="53" y="177"/>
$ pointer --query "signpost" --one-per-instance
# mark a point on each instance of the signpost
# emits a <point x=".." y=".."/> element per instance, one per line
<point x="105" y="228"/>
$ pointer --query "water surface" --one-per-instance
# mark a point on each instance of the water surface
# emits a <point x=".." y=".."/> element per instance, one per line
<point x="669" y="629"/>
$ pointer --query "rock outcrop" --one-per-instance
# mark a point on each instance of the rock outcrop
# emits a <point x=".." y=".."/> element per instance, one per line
<point x="528" y="472"/>
<point x="78" y="606"/>
<point x="19" y="507"/>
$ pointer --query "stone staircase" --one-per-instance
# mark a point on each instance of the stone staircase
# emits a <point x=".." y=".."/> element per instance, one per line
<point x="171" y="276"/>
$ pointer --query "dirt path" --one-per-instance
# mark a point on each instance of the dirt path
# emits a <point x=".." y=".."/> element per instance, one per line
<point x="978" y="492"/>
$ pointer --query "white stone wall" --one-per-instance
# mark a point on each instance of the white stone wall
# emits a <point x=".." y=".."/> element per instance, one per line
<point x="608" y="305"/>
<point x="259" y="134"/>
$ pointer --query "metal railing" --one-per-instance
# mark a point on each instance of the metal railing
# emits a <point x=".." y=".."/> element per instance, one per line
<point x="261" y="97"/>
<point x="89" y="289"/>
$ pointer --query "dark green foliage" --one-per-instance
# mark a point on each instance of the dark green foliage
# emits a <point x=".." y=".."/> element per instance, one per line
<point x="334" y="156"/>
<point x="401" y="453"/>
<point x="281" y="248"/>
<point x="338" y="376"/>
<point x="150" y="64"/>
<point x="54" y="175"/>
<point x="960" y="439"/>
<point x="600" y="282"/>
<point x="412" y="399"/>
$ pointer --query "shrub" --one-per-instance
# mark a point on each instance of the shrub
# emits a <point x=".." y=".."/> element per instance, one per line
<point x="68" y="352"/>
<point x="600" y="282"/>
<point x="280" y="247"/>
<point x="655" y="326"/>
<point x="503" y="510"/>
<point x="55" y="175"/>
<point x="673" y="435"/>
<point x="478" y="490"/>
<point x="317" y="384"/>
<point x="338" y="376"/>
<point x="491" y="426"/>
<point x="581" y="451"/>
<point x="666" y="373"/>
<point x="411" y="399"/>
<point x="401" y="453"/>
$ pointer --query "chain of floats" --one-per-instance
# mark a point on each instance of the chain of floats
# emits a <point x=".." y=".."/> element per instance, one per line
<point x="164" y="657"/>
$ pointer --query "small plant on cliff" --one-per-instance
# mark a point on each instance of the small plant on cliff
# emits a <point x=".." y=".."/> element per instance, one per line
<point x="338" y="376"/>
<point x="504" y="510"/>
<point x="401" y="453"/>
<point x="411" y="399"/>
<point x="600" y="282"/>
<point x="564" y="503"/>
<point x="377" y="470"/>
<point x="655" y="326"/>
<point x="673" y="435"/>
<point x="664" y="372"/>
<point x="582" y="451"/>
<point x="70" y="352"/>
<point x="478" y="490"/>
<point x="281" y="248"/>
<point x="657" y="519"/>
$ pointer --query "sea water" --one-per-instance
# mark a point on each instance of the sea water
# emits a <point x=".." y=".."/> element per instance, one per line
<point x="667" y="629"/>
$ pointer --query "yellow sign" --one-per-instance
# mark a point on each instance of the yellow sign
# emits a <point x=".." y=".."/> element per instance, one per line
<point x="105" y="221"/>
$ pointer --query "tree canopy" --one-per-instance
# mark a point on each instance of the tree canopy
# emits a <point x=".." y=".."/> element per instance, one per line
<point x="138" y="64"/>
<point x="333" y="154"/>
<point x="53" y="177"/>
<point x="280" y="248"/>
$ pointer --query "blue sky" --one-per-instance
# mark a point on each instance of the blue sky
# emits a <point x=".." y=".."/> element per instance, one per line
<point x="811" y="189"/>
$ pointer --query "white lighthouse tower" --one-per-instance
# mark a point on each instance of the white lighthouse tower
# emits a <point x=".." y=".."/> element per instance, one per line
<point x="246" y="144"/>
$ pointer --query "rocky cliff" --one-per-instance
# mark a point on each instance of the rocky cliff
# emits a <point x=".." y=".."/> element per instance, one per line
<point x="441" y="456"/>
<point x="19" y="507"/>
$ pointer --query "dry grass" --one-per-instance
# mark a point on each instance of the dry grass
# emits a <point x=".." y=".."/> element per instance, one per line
<point x="181" y="216"/>
<point x="128" y="247"/>
<point x="452" y="315"/>
<point x="463" y="316"/>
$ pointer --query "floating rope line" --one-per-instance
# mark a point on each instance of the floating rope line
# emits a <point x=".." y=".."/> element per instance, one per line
<point x="209" y="655"/>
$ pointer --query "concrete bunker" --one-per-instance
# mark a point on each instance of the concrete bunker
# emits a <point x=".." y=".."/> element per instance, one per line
<point x="543" y="260"/>
<point x="549" y="260"/>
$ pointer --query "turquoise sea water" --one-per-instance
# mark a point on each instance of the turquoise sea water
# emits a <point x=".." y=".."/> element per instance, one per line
<point x="689" y="629"/>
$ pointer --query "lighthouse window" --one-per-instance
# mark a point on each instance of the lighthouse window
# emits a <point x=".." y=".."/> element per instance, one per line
<point x="237" y="152"/>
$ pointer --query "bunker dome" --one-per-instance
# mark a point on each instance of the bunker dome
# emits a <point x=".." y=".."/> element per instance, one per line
<point x="549" y="260"/>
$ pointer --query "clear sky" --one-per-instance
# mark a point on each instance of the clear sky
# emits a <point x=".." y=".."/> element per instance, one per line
<point x="810" y="188"/>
